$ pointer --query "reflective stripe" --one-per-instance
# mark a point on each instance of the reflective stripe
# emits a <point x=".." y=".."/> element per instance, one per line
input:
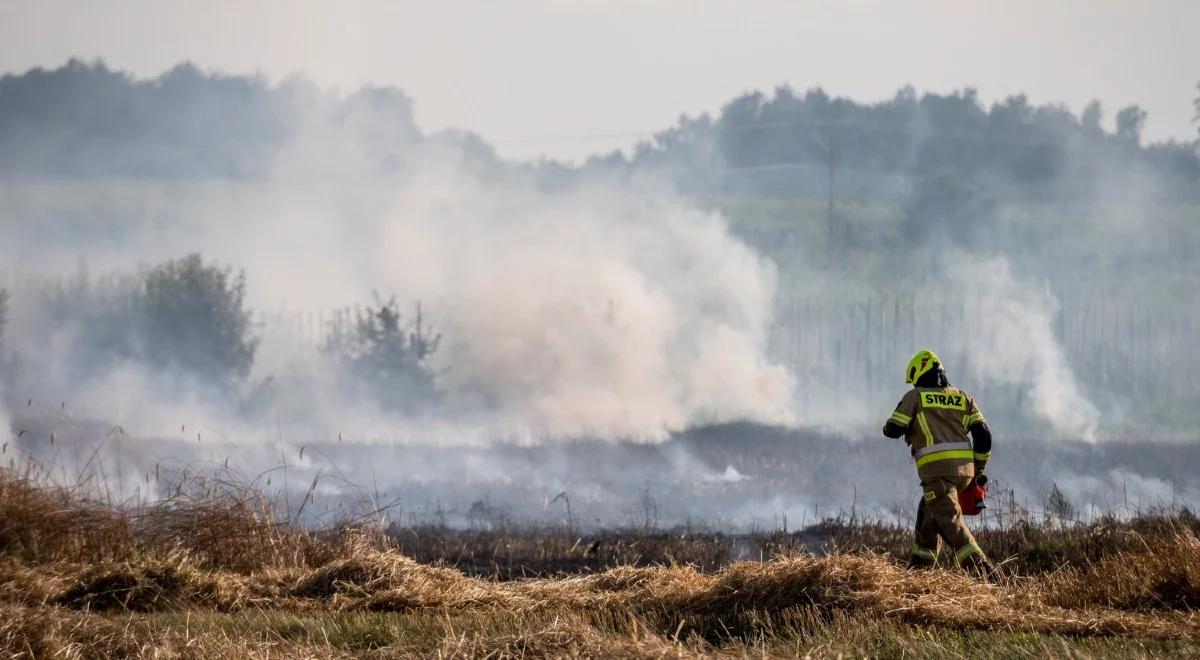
<point x="918" y="551"/>
<point x="986" y="456"/>
<point x="973" y="419"/>
<point x="925" y="428"/>
<point x="945" y="446"/>
<point x="945" y="456"/>
<point x="966" y="551"/>
<point x="900" y="418"/>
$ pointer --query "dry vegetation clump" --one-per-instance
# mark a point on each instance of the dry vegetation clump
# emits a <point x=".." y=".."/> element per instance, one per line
<point x="221" y="524"/>
<point x="1165" y="575"/>
<point x="358" y="575"/>
<point x="51" y="632"/>
<point x="150" y="585"/>
<point x="389" y="581"/>
<point x="217" y="524"/>
<point x="31" y="585"/>
<point x="860" y="585"/>
<point x="1037" y="548"/>
<point x="229" y="533"/>
<point x="43" y="523"/>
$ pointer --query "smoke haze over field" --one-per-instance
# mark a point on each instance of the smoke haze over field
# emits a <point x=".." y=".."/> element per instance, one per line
<point x="592" y="313"/>
<point x="595" y="312"/>
<point x="584" y="327"/>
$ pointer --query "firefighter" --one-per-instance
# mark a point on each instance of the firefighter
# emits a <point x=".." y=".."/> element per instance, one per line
<point x="934" y="419"/>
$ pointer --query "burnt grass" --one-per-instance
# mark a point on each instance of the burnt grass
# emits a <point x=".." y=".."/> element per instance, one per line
<point x="1023" y="548"/>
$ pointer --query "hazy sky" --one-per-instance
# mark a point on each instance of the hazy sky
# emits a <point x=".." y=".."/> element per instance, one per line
<point x="566" y="78"/>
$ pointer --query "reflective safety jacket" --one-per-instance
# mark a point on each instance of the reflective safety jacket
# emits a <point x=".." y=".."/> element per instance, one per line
<point x="936" y="422"/>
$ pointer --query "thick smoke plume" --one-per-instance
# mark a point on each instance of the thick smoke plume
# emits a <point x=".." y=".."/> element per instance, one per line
<point x="595" y="312"/>
<point x="590" y="313"/>
<point x="1015" y="345"/>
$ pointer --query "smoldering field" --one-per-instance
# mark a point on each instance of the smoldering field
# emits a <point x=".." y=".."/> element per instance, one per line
<point x="596" y="315"/>
<point x="654" y="351"/>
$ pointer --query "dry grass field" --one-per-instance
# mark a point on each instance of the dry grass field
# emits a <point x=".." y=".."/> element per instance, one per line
<point x="212" y="572"/>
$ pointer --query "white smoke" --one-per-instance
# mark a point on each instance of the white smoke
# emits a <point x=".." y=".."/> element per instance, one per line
<point x="1015" y="344"/>
<point x="597" y="312"/>
<point x="589" y="313"/>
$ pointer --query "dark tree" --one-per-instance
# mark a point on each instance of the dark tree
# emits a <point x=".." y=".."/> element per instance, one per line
<point x="1092" y="115"/>
<point x="1130" y="122"/>
<point x="194" y="317"/>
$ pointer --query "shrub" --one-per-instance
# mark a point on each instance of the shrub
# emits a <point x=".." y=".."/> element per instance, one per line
<point x="387" y="356"/>
<point x="182" y="315"/>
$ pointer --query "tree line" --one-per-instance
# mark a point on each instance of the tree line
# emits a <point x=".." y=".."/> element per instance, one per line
<point x="84" y="119"/>
<point x="1036" y="150"/>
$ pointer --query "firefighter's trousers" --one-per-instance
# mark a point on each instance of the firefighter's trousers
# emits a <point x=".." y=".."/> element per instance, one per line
<point x="939" y="514"/>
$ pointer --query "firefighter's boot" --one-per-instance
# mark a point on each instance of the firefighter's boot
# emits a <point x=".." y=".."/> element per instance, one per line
<point x="921" y="558"/>
<point x="979" y="566"/>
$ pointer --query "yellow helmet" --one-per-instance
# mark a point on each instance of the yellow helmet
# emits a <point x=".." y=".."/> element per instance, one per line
<point x="921" y="363"/>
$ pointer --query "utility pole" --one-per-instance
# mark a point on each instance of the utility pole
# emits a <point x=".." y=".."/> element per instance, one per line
<point x="832" y="155"/>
